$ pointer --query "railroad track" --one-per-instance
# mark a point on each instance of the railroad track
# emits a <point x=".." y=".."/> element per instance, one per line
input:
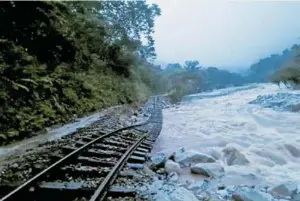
<point x="93" y="163"/>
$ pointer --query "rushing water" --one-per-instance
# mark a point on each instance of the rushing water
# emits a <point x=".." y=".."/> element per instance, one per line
<point x="269" y="139"/>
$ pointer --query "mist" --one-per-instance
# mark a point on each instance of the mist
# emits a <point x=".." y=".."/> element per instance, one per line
<point x="225" y="34"/>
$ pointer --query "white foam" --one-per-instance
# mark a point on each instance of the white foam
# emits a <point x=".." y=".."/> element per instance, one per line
<point x="261" y="134"/>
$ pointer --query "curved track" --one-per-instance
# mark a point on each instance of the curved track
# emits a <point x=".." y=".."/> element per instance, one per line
<point x="92" y="165"/>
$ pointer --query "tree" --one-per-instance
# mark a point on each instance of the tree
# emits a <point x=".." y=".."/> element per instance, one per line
<point x="191" y="65"/>
<point x="133" y="20"/>
<point x="173" y="67"/>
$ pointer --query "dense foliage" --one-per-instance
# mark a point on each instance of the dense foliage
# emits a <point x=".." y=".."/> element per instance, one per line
<point x="264" y="69"/>
<point x="60" y="59"/>
<point x="290" y="73"/>
<point x="191" y="78"/>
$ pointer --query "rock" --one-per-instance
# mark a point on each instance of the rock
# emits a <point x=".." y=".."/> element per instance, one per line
<point x="203" y="196"/>
<point x="173" y="177"/>
<point x="208" y="169"/>
<point x="279" y="101"/>
<point x="187" y="158"/>
<point x="224" y="194"/>
<point x="160" y="171"/>
<point x="15" y="165"/>
<point x="38" y="166"/>
<point x="233" y="157"/>
<point x="248" y="194"/>
<point x="148" y="171"/>
<point x="284" y="190"/>
<point x="158" y="161"/>
<point x="162" y="196"/>
<point x="214" y="153"/>
<point x="182" y="194"/>
<point x="198" y="185"/>
<point x="171" y="166"/>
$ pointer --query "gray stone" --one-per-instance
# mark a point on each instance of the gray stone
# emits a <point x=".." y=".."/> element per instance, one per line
<point x="198" y="185"/>
<point x="248" y="194"/>
<point x="173" y="177"/>
<point x="182" y="194"/>
<point x="15" y="165"/>
<point x="148" y="171"/>
<point x="214" y="153"/>
<point x="233" y="157"/>
<point x="208" y="169"/>
<point x="162" y="196"/>
<point x="187" y="158"/>
<point x="158" y="161"/>
<point x="224" y="194"/>
<point x="203" y="196"/>
<point x="284" y="190"/>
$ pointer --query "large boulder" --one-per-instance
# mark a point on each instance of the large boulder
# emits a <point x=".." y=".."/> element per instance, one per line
<point x="232" y="156"/>
<point x="188" y="158"/>
<point x="182" y="194"/>
<point x="171" y="166"/>
<point x="285" y="190"/>
<point x="248" y="194"/>
<point x="208" y="169"/>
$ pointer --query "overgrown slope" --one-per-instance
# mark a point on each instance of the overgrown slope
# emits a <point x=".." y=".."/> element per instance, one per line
<point x="56" y="62"/>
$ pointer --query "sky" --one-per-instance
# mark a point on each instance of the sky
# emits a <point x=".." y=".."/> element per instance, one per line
<point x="226" y="34"/>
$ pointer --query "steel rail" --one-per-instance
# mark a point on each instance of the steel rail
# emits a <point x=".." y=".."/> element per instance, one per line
<point x="57" y="163"/>
<point x="101" y="192"/>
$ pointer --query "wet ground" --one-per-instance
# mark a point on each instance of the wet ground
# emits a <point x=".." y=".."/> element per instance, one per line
<point x="212" y="121"/>
<point x="122" y="115"/>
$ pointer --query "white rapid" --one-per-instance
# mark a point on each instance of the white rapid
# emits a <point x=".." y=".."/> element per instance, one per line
<point x="269" y="139"/>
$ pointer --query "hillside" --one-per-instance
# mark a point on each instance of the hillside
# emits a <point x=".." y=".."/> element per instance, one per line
<point x="59" y="59"/>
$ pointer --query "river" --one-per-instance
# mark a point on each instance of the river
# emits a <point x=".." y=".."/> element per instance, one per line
<point x="211" y="121"/>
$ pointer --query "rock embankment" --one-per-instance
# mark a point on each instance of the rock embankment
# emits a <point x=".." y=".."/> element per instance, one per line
<point x="279" y="101"/>
<point x="217" y="183"/>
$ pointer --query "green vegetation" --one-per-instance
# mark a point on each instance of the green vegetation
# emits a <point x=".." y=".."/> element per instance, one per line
<point x="264" y="69"/>
<point x="191" y="78"/>
<point x="290" y="73"/>
<point x="58" y="59"/>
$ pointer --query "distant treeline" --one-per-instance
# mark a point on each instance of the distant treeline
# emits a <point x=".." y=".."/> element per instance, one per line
<point x="192" y="78"/>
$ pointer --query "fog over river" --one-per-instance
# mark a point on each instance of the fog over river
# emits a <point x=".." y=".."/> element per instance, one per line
<point x="210" y="122"/>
